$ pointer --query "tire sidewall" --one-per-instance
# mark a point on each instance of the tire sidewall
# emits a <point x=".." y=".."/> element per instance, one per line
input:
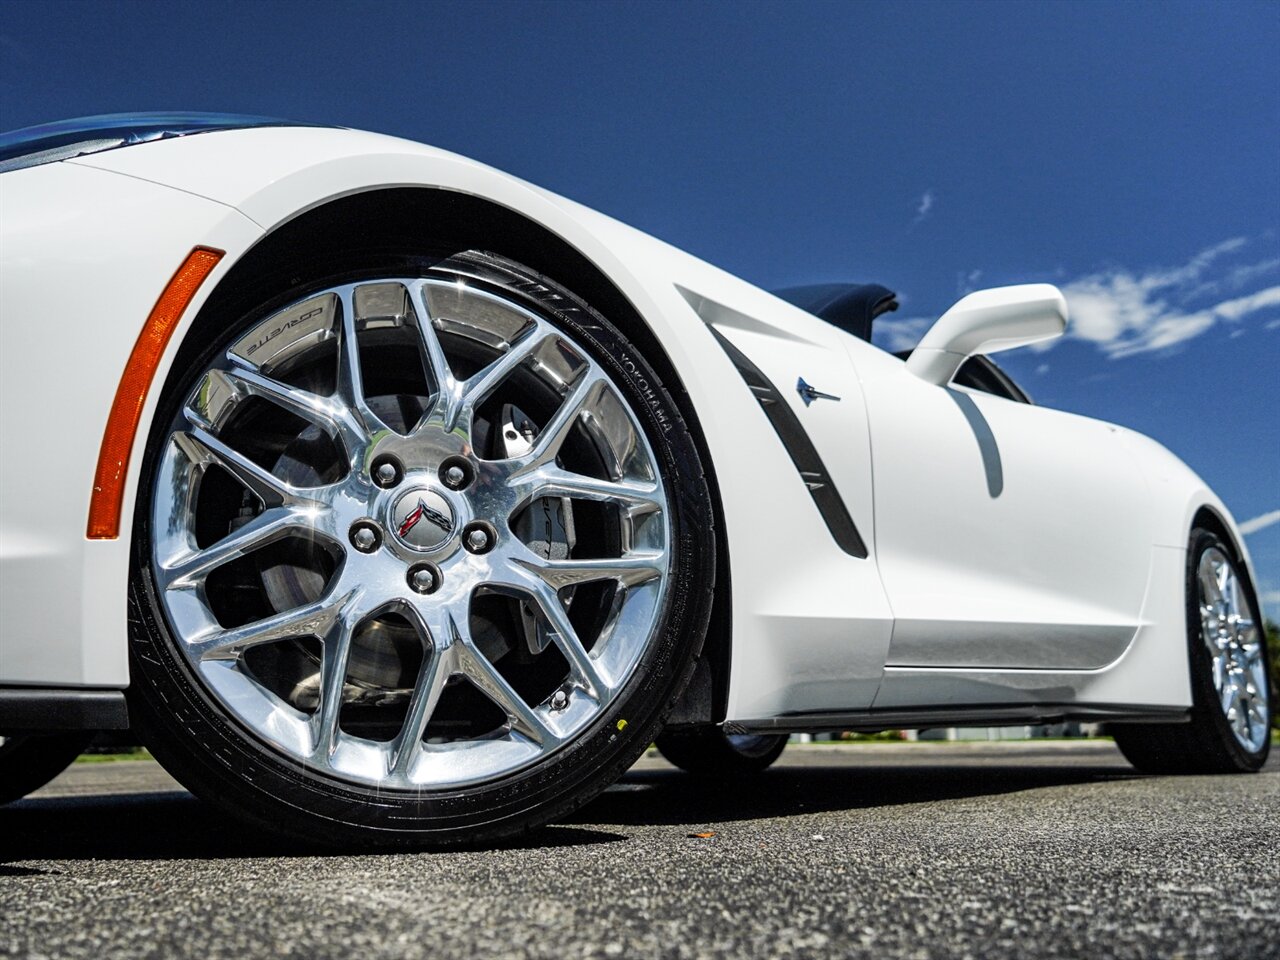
<point x="216" y="756"/>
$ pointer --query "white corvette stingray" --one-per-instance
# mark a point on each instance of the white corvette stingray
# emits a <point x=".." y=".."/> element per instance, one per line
<point x="391" y="499"/>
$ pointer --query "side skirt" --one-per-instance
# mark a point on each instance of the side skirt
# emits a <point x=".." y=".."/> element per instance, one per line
<point x="873" y="721"/>
<point x="43" y="709"/>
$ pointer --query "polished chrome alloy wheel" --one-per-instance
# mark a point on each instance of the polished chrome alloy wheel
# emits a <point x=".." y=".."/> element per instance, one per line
<point x="1234" y="642"/>
<point x="410" y="534"/>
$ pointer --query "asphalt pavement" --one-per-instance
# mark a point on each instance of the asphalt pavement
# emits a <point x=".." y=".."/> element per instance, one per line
<point x="1020" y="850"/>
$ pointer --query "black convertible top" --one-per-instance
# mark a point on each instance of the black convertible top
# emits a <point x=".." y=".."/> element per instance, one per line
<point x="852" y="307"/>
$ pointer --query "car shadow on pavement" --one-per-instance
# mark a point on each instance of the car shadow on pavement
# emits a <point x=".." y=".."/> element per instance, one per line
<point x="174" y="825"/>
<point x="177" y="826"/>
<point x="670" y="797"/>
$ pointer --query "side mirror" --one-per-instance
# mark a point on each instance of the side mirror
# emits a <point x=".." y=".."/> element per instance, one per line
<point x="987" y="321"/>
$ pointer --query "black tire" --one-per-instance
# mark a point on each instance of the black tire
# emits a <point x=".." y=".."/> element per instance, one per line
<point x="223" y="762"/>
<point x="30" y="760"/>
<point x="711" y="753"/>
<point x="1206" y="744"/>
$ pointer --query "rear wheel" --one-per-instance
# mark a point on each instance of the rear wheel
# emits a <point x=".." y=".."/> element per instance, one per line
<point x="712" y="753"/>
<point x="425" y="556"/>
<point x="30" y="760"/>
<point x="1230" y="726"/>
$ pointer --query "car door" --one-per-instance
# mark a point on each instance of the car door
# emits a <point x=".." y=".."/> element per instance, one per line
<point x="1008" y="536"/>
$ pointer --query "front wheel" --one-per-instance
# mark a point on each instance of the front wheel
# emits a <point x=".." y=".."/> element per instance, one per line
<point x="1230" y="724"/>
<point x="425" y="554"/>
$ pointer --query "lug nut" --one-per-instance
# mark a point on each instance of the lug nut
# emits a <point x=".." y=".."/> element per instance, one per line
<point x="386" y="472"/>
<point x="456" y="473"/>
<point x="365" y="536"/>
<point x="477" y="538"/>
<point x="424" y="578"/>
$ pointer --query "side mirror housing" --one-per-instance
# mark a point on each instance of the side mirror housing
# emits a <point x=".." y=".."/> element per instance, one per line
<point x="987" y="321"/>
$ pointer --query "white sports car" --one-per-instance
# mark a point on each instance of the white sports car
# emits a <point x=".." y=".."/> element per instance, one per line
<point x="391" y="499"/>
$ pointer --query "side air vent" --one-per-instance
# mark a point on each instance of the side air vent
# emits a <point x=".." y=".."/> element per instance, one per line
<point x="801" y="450"/>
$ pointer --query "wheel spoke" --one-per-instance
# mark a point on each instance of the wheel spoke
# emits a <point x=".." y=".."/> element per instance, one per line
<point x="1258" y="712"/>
<point x="433" y="676"/>
<point x="1230" y="589"/>
<point x="479" y="670"/>
<point x="350" y="377"/>
<point x="585" y="391"/>
<point x="448" y="400"/>
<point x="330" y="414"/>
<point x="336" y="643"/>
<point x="266" y="528"/>
<point x="310" y="620"/>
<point x="203" y="448"/>
<point x="550" y="480"/>
<point x="1244" y="724"/>
<point x="1230" y="695"/>
<point x="478" y="386"/>
<point x="1219" y="667"/>
<point x="1222" y="577"/>
<point x="1210" y="585"/>
<point x="585" y="669"/>
<point x="440" y="664"/>
<point x="630" y="571"/>
<point x="1255" y="672"/>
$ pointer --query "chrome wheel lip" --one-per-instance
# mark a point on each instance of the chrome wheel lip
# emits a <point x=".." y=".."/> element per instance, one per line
<point x="1234" y="641"/>
<point x="367" y="584"/>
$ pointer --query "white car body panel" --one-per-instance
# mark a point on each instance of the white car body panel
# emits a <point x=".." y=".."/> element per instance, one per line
<point x="990" y="532"/>
<point x="814" y="628"/>
<point x="67" y="299"/>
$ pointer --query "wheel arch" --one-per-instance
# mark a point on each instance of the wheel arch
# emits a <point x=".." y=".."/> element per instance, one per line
<point x="1210" y="519"/>
<point x="1218" y="522"/>
<point x="380" y="219"/>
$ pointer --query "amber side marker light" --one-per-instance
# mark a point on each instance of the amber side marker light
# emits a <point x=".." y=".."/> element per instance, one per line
<point x="131" y="395"/>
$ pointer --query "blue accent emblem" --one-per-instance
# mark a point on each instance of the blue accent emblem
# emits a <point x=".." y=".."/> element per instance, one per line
<point x="809" y="394"/>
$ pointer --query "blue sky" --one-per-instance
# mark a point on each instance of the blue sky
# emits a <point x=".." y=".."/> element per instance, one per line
<point x="1129" y="152"/>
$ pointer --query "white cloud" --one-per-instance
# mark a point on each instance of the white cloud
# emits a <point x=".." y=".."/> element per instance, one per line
<point x="967" y="282"/>
<point x="897" y="335"/>
<point x="1242" y="306"/>
<point x="1242" y="276"/>
<point x="1261" y="522"/>
<point x="1127" y="313"/>
<point x="925" y="204"/>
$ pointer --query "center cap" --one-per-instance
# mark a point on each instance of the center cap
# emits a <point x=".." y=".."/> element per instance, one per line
<point x="421" y="519"/>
